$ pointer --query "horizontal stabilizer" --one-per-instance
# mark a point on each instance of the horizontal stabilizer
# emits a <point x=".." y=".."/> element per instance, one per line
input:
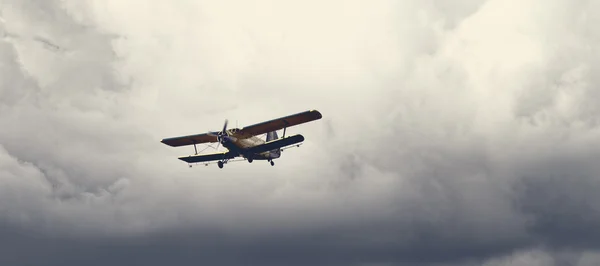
<point x="276" y="144"/>
<point x="207" y="157"/>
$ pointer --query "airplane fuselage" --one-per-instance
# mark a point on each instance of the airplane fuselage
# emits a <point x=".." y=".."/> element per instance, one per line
<point x="239" y="143"/>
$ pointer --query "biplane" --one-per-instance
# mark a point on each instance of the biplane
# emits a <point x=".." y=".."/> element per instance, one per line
<point x="245" y="142"/>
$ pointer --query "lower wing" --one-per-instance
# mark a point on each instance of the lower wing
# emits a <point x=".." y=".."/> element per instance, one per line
<point x="276" y="144"/>
<point x="207" y="157"/>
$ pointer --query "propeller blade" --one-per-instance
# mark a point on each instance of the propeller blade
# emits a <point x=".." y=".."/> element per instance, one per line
<point x="225" y="127"/>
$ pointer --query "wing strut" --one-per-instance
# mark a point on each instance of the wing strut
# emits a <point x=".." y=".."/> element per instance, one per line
<point x="195" y="149"/>
<point x="285" y="127"/>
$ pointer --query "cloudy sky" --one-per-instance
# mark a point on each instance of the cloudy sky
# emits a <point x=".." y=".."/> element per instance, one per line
<point x="454" y="132"/>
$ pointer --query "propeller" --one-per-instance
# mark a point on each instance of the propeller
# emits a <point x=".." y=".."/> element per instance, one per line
<point x="225" y="126"/>
<point x="220" y="135"/>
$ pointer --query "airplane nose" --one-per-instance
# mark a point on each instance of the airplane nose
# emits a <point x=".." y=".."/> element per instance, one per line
<point x="229" y="138"/>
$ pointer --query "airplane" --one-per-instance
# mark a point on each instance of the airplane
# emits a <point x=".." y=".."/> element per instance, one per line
<point x="244" y="142"/>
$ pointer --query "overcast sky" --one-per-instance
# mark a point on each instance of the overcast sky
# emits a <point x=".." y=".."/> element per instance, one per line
<point x="453" y="133"/>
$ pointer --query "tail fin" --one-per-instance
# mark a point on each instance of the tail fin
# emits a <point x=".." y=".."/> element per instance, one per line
<point x="276" y="153"/>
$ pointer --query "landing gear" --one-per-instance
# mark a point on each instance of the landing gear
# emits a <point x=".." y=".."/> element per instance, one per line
<point x="272" y="163"/>
<point x="250" y="160"/>
<point x="221" y="163"/>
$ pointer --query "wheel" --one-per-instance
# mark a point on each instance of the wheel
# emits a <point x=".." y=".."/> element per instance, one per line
<point x="250" y="160"/>
<point x="272" y="163"/>
<point x="220" y="164"/>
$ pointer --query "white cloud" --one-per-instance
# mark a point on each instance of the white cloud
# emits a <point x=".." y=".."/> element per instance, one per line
<point x="433" y="114"/>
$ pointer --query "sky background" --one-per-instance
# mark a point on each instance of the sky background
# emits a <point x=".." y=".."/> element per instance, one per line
<point x="453" y="133"/>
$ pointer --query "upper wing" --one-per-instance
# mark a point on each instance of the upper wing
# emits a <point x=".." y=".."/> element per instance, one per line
<point x="189" y="140"/>
<point x="276" y="144"/>
<point x="279" y="123"/>
<point x="252" y="130"/>
<point x="207" y="157"/>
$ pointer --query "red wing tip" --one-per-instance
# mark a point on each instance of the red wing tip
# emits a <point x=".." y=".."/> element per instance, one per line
<point x="165" y="141"/>
<point x="319" y="115"/>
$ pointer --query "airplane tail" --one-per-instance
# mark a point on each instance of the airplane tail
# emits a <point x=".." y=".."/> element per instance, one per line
<point x="276" y="153"/>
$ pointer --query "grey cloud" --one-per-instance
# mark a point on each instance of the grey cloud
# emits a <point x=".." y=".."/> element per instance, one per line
<point x="452" y="134"/>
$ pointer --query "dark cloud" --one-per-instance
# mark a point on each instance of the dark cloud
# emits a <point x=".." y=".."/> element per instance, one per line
<point x="453" y="134"/>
